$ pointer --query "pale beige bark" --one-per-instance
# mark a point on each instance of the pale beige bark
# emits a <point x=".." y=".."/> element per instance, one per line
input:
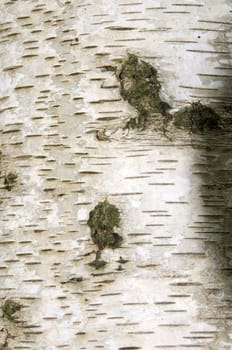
<point x="174" y="195"/>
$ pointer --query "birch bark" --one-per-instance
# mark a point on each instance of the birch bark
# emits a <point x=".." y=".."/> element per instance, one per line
<point x="169" y="285"/>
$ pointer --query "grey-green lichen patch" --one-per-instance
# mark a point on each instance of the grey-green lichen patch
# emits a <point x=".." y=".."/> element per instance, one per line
<point x="139" y="85"/>
<point x="10" y="180"/>
<point x="9" y="308"/>
<point x="102" y="221"/>
<point x="196" y="118"/>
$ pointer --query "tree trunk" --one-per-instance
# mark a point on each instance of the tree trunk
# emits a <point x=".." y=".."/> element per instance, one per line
<point x="168" y="286"/>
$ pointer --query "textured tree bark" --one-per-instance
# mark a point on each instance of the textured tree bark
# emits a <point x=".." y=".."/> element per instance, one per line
<point x="168" y="286"/>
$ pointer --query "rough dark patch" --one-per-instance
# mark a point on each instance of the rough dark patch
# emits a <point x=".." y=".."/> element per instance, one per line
<point x="9" y="308"/>
<point x="102" y="220"/>
<point x="139" y="85"/>
<point x="10" y="180"/>
<point x="98" y="264"/>
<point x="196" y="118"/>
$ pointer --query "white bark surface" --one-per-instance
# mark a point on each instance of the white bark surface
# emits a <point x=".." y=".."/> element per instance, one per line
<point x="174" y="195"/>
